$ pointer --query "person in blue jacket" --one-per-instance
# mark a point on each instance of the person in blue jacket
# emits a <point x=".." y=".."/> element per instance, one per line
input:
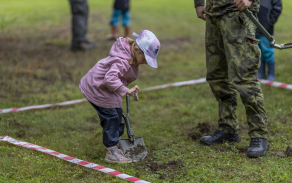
<point x="267" y="15"/>
<point x="121" y="8"/>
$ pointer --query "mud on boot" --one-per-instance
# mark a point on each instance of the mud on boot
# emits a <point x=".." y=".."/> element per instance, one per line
<point x="115" y="155"/>
<point x="218" y="137"/>
<point x="257" y="147"/>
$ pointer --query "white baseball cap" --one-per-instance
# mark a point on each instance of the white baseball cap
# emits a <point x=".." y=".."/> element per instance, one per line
<point x="150" y="45"/>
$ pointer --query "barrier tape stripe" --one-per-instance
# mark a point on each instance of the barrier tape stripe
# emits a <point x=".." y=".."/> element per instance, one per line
<point x="73" y="160"/>
<point x="183" y="83"/>
<point x="42" y="106"/>
<point x="276" y="84"/>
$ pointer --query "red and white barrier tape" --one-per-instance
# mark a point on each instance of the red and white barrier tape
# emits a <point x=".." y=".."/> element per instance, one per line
<point x="73" y="160"/>
<point x="42" y="106"/>
<point x="183" y="83"/>
<point x="276" y="84"/>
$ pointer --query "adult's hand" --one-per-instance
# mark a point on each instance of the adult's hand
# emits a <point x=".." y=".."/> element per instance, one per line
<point x="242" y="4"/>
<point x="200" y="12"/>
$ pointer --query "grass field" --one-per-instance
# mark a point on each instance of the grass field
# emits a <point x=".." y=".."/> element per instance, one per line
<point x="36" y="67"/>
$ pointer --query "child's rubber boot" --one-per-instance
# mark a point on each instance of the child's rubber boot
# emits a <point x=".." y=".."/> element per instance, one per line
<point x="113" y="155"/>
<point x="271" y="71"/>
<point x="262" y="70"/>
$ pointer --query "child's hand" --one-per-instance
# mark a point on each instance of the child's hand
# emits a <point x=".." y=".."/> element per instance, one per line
<point x="133" y="90"/>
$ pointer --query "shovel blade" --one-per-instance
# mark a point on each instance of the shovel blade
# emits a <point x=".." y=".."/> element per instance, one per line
<point x="136" y="151"/>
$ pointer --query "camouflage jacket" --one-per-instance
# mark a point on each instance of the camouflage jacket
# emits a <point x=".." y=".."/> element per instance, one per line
<point x="220" y="7"/>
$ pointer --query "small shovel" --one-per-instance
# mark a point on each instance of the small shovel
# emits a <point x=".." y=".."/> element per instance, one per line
<point x="134" y="148"/>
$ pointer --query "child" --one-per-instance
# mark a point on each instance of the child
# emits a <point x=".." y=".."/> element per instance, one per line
<point x="121" y="8"/>
<point x="268" y="15"/>
<point x="107" y="82"/>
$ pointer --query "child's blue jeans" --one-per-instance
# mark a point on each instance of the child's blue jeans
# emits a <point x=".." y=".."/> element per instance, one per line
<point x="112" y="124"/>
<point x="126" y="17"/>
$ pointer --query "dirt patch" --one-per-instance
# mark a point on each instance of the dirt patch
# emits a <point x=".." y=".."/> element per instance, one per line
<point x="153" y="166"/>
<point x="20" y="134"/>
<point x="194" y="135"/>
<point x="288" y="151"/>
<point x="200" y="130"/>
<point x="280" y="154"/>
<point x="166" y="170"/>
<point x="204" y="127"/>
<point x="170" y="165"/>
<point x="272" y="133"/>
<point x="281" y="119"/>
<point x="162" y="176"/>
<point x="242" y="149"/>
<point x="290" y="114"/>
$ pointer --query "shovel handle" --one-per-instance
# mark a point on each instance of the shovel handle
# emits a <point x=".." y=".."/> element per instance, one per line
<point x="128" y="103"/>
<point x="127" y="121"/>
<point x="250" y="15"/>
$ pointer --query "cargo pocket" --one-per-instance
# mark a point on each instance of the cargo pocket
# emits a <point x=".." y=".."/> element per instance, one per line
<point x="253" y="52"/>
<point x="253" y="44"/>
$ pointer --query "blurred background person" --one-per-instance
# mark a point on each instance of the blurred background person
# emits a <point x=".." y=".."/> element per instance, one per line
<point x="121" y="9"/>
<point x="268" y="15"/>
<point x="80" y="11"/>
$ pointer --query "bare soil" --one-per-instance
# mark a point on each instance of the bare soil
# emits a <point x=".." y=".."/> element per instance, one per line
<point x="288" y="151"/>
<point x="200" y="130"/>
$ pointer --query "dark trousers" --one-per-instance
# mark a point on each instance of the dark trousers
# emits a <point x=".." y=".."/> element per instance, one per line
<point x="79" y="11"/>
<point x="112" y="124"/>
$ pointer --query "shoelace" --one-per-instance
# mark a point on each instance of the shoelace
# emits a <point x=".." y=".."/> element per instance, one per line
<point x="255" y="143"/>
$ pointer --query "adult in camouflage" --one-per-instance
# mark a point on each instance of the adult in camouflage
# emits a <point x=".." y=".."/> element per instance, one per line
<point x="233" y="60"/>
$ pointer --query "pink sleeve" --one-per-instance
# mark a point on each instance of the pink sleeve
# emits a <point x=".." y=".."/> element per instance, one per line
<point x="112" y="77"/>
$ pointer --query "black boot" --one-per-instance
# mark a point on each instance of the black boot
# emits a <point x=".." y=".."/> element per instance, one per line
<point x="83" y="46"/>
<point x="218" y="137"/>
<point x="257" y="147"/>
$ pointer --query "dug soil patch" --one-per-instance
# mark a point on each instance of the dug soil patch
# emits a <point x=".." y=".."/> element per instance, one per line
<point x="200" y="130"/>
<point x="166" y="170"/>
<point x="288" y="151"/>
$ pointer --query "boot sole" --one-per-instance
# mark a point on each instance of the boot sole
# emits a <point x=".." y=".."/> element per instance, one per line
<point x="237" y="139"/>
<point x="119" y="162"/>
<point x="256" y="156"/>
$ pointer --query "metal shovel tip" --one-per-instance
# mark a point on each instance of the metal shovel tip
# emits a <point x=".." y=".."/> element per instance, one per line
<point x="282" y="46"/>
<point x="136" y="151"/>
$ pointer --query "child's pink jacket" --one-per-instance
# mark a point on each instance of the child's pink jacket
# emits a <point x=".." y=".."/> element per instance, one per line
<point x="107" y="81"/>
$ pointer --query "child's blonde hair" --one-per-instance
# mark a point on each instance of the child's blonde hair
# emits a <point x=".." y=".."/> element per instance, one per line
<point x="133" y="43"/>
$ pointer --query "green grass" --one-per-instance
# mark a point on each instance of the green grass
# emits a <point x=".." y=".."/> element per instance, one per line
<point x="36" y="67"/>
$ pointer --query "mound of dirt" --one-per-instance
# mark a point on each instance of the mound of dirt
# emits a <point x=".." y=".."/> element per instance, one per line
<point x="195" y="135"/>
<point x="281" y="119"/>
<point x="288" y="151"/>
<point x="204" y="127"/>
<point x="200" y="130"/>
<point x="162" y="176"/>
<point x="153" y="166"/>
<point x="242" y="149"/>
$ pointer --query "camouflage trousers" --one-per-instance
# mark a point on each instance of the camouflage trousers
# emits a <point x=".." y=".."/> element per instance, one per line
<point x="233" y="60"/>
